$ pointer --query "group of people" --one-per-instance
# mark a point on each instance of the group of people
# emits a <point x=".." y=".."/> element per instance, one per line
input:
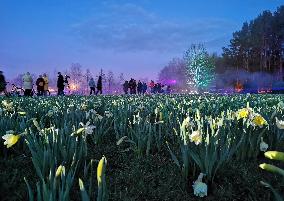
<point x="41" y="84"/>
<point x="133" y="87"/>
<point x="141" y="87"/>
<point x="129" y="87"/>
<point x="159" y="88"/>
<point x="93" y="86"/>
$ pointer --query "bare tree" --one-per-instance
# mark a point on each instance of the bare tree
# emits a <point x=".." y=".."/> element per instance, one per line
<point x="174" y="74"/>
<point x="110" y="80"/>
<point x="76" y="77"/>
<point x="87" y="76"/>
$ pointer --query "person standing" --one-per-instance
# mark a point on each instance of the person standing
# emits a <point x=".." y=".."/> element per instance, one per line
<point x="144" y="86"/>
<point x="60" y="84"/>
<point x="125" y="87"/>
<point x="152" y="86"/>
<point x="40" y="85"/>
<point x="134" y="87"/>
<point x="130" y="85"/>
<point x="92" y="86"/>
<point x="28" y="84"/>
<point x="139" y="87"/>
<point x="45" y="87"/>
<point x="99" y="86"/>
<point x="3" y="83"/>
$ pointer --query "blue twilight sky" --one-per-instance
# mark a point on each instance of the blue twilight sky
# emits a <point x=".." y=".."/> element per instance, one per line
<point x="135" y="37"/>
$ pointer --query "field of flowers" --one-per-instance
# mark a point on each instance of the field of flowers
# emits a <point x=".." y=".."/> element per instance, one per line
<point x="160" y="147"/>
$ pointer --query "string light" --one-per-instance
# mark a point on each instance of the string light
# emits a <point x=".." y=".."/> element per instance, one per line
<point x="199" y="67"/>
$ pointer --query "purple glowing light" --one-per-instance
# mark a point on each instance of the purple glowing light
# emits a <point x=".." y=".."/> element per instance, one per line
<point x="171" y="82"/>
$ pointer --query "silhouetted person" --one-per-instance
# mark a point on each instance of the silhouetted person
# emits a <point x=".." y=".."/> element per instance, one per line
<point x="40" y="86"/>
<point x="99" y="86"/>
<point x="168" y="91"/>
<point x="60" y="84"/>
<point x="28" y="84"/>
<point x="139" y="87"/>
<point x="164" y="89"/>
<point x="133" y="87"/>
<point x="144" y="87"/>
<point x="2" y="83"/>
<point x="159" y="88"/>
<point x="130" y="85"/>
<point x="125" y="87"/>
<point x="152" y="86"/>
<point x="92" y="86"/>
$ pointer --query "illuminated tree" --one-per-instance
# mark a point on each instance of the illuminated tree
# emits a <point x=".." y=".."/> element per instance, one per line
<point x="199" y="67"/>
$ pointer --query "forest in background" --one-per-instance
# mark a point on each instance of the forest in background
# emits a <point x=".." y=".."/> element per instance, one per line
<point x="257" y="50"/>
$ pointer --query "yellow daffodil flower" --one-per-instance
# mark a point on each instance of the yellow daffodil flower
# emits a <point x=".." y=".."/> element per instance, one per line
<point x="258" y="120"/>
<point x="10" y="139"/>
<point x="60" y="171"/>
<point x="100" y="170"/>
<point x="243" y="113"/>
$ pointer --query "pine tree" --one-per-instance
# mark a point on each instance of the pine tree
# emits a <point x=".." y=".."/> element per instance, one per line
<point x="199" y="67"/>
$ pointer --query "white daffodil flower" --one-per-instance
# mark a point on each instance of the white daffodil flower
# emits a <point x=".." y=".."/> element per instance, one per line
<point x="279" y="123"/>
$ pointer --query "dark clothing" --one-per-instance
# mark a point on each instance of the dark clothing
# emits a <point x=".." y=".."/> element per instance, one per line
<point x="99" y="90"/>
<point x="125" y="87"/>
<point x="60" y="92"/>
<point x="2" y="83"/>
<point x="60" y="84"/>
<point x="92" y="89"/>
<point x="99" y="86"/>
<point x="132" y="86"/>
<point x="28" y="92"/>
<point x="139" y="87"/>
<point x="40" y="83"/>
<point x="144" y="88"/>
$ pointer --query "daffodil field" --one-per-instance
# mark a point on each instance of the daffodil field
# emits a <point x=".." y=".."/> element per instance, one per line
<point x="159" y="147"/>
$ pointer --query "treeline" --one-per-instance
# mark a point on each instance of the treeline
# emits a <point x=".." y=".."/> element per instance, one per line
<point x="257" y="47"/>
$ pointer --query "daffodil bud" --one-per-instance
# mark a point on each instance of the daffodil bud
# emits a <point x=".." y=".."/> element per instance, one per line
<point x="263" y="146"/>
<point x="272" y="168"/>
<point x="274" y="155"/>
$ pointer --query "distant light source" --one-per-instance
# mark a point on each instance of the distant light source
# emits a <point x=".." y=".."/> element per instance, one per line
<point x="172" y="81"/>
<point x="73" y="87"/>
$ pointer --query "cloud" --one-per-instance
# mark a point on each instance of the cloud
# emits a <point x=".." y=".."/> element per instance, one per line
<point x="129" y="27"/>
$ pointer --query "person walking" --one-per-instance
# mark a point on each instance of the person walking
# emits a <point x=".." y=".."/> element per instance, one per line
<point x="45" y="87"/>
<point x="92" y="86"/>
<point x="60" y="84"/>
<point x="40" y="85"/>
<point x="28" y="84"/>
<point x="99" y="86"/>
<point x="3" y="83"/>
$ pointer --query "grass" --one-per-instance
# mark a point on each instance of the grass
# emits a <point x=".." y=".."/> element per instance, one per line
<point x="131" y="176"/>
<point x="151" y="178"/>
